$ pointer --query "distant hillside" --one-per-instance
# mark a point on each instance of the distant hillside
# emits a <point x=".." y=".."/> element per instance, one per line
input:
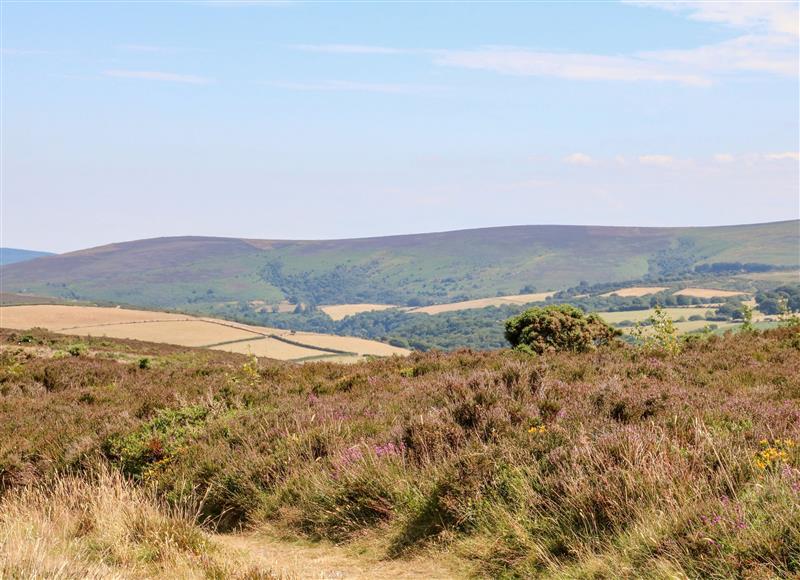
<point x="195" y="273"/>
<point x="15" y="255"/>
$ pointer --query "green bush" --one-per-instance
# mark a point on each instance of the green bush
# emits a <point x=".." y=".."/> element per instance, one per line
<point x="157" y="441"/>
<point x="558" y="328"/>
<point x="77" y="349"/>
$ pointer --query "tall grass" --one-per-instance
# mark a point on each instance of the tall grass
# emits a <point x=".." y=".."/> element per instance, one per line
<point x="97" y="525"/>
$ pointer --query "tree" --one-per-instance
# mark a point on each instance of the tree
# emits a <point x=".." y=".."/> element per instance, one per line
<point x="558" y="328"/>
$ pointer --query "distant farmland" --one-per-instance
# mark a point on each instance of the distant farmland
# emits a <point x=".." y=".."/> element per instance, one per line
<point x="192" y="331"/>
<point x="514" y="299"/>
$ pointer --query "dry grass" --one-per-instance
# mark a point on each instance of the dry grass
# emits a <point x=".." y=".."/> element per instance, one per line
<point x="515" y="299"/>
<point x="707" y="293"/>
<point x="340" y="311"/>
<point x="98" y="525"/>
<point x="636" y="291"/>
<point x="185" y="330"/>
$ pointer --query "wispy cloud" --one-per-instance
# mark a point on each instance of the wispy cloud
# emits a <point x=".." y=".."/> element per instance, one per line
<point x="348" y="49"/>
<point x="580" y="159"/>
<point x="670" y="161"/>
<point x="771" y="17"/>
<point x="785" y="156"/>
<point x="573" y="66"/>
<point x="769" y="45"/>
<point x="158" y="76"/>
<point x="392" y="88"/>
<point x="659" y="160"/>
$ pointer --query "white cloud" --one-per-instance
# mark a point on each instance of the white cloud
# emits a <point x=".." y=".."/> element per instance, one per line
<point x="348" y="49"/>
<point x="774" y="17"/>
<point x="759" y="53"/>
<point x="787" y="155"/>
<point x="574" y="66"/>
<point x="158" y="76"/>
<point x="773" y="54"/>
<point x="579" y="159"/>
<point x="723" y="158"/>
<point x="392" y="88"/>
<point x="770" y="45"/>
<point x="658" y="160"/>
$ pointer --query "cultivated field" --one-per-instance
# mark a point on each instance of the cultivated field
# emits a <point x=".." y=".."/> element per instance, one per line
<point x="681" y="312"/>
<point x="515" y="299"/>
<point x="707" y="293"/>
<point x="640" y="315"/>
<point x="185" y="330"/>
<point x="340" y="311"/>
<point x="635" y="291"/>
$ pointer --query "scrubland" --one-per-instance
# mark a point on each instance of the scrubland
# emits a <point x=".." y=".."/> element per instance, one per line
<point x="621" y="462"/>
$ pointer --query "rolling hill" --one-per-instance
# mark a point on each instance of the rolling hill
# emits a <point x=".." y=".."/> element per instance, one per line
<point x="15" y="255"/>
<point x="196" y="273"/>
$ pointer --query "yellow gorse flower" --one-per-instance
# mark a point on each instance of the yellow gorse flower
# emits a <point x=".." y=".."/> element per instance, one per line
<point x="773" y="454"/>
<point x="538" y="429"/>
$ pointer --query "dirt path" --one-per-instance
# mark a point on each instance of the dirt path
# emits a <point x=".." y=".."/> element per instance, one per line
<point x="328" y="562"/>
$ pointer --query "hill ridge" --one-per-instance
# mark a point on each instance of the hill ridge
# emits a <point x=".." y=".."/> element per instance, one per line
<point x="206" y="273"/>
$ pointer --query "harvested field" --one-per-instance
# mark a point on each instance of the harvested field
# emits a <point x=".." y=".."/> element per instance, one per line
<point x="635" y="291"/>
<point x="272" y="348"/>
<point x="184" y="330"/>
<point x="60" y="317"/>
<point x="516" y="299"/>
<point x="346" y="343"/>
<point x="707" y="293"/>
<point x="340" y="311"/>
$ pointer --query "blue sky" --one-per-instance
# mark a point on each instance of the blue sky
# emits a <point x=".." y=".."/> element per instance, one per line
<point x="320" y="120"/>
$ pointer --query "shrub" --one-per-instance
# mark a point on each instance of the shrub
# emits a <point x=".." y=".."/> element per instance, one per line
<point x="558" y="328"/>
<point x="77" y="349"/>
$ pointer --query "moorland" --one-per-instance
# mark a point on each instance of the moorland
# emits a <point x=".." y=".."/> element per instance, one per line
<point x="144" y="460"/>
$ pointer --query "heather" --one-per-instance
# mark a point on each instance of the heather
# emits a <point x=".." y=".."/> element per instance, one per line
<point x="618" y="462"/>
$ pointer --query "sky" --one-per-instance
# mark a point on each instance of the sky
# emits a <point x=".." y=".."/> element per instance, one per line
<point x="316" y="120"/>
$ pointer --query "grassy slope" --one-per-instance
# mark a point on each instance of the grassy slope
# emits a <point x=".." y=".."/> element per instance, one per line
<point x="617" y="463"/>
<point x="193" y="273"/>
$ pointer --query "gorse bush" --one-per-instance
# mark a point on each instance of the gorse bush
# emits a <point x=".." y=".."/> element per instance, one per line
<point x="612" y="463"/>
<point x="558" y="328"/>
